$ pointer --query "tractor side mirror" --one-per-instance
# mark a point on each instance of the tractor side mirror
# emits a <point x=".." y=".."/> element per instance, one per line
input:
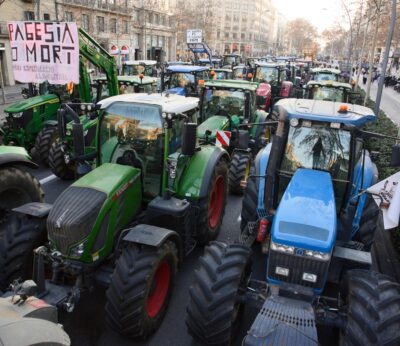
<point x="189" y="132"/>
<point x="395" y="160"/>
<point x="79" y="139"/>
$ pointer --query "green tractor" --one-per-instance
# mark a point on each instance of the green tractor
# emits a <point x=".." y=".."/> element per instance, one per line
<point x="127" y="224"/>
<point x="17" y="185"/>
<point x="331" y="91"/>
<point x="61" y="160"/>
<point x="32" y="123"/>
<point x="226" y="107"/>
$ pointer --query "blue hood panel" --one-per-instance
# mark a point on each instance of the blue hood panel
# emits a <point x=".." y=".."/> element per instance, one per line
<point x="306" y="216"/>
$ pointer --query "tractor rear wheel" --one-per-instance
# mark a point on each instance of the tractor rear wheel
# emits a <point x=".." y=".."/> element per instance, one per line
<point x="17" y="187"/>
<point x="140" y="288"/>
<point x="57" y="164"/>
<point x="250" y="199"/>
<point x="369" y="222"/>
<point x="238" y="171"/>
<point x="373" y="305"/>
<point x="21" y="236"/>
<point x="45" y="138"/>
<point x="212" y="207"/>
<point x="215" y="306"/>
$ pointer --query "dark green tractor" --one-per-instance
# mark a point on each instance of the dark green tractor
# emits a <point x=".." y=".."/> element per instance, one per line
<point x="60" y="159"/>
<point x="127" y="224"/>
<point x="228" y="109"/>
<point x="331" y="91"/>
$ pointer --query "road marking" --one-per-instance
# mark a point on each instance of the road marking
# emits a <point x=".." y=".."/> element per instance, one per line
<point x="47" y="179"/>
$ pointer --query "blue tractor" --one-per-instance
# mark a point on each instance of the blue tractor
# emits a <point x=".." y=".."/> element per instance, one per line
<point x="184" y="79"/>
<point x="303" y="204"/>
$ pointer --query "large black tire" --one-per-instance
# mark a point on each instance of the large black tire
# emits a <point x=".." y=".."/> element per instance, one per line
<point x="373" y="305"/>
<point x="44" y="140"/>
<point x="21" y="236"/>
<point x="215" y="306"/>
<point x="371" y="220"/>
<point x="212" y="208"/>
<point x="250" y="200"/>
<point x="140" y="288"/>
<point x="57" y="162"/>
<point x="238" y="169"/>
<point x="17" y="187"/>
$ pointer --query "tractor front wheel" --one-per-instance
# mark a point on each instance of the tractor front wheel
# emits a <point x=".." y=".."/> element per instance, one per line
<point x="57" y="163"/>
<point x="212" y="207"/>
<point x="238" y="171"/>
<point x="215" y="304"/>
<point x="140" y="288"/>
<point x="21" y="236"/>
<point x="373" y="305"/>
<point x="44" y="140"/>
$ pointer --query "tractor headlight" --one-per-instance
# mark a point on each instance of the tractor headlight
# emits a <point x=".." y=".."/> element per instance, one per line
<point x="78" y="250"/>
<point x="17" y="115"/>
<point x="282" y="248"/>
<point x="172" y="168"/>
<point x="68" y="132"/>
<point x="322" y="256"/>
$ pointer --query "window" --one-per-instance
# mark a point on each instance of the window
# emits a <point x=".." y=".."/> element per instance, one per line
<point x="156" y="19"/>
<point x="125" y="25"/>
<point x="111" y="2"/>
<point x="235" y="35"/>
<point x="218" y="34"/>
<point x="243" y="36"/>
<point x="100" y="24"/>
<point x="226" y="34"/>
<point x="113" y="25"/>
<point x="29" y="15"/>
<point x="46" y="16"/>
<point x="68" y="17"/>
<point x="85" y="22"/>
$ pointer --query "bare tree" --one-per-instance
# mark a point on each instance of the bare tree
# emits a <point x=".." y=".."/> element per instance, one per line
<point x="302" y="34"/>
<point x="1" y="2"/>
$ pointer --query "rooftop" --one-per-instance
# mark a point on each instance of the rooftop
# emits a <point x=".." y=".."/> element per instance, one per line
<point x="169" y="104"/>
<point x="325" y="111"/>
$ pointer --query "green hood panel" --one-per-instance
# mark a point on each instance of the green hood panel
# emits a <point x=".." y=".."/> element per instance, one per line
<point x="214" y="123"/>
<point x="5" y="149"/>
<point x="108" y="178"/>
<point x="23" y="105"/>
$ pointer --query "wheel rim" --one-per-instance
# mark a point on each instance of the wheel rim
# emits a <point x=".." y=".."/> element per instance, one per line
<point x="159" y="289"/>
<point x="216" y="203"/>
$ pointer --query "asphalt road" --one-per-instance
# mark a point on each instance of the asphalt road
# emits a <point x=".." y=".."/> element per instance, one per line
<point x="86" y="325"/>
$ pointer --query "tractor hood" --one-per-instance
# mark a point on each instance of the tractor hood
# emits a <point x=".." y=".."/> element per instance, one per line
<point x="214" y="123"/>
<point x="306" y="216"/>
<point x="31" y="102"/>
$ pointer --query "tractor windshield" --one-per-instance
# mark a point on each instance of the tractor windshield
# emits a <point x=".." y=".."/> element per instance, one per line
<point x="131" y="134"/>
<point x="182" y="80"/>
<point x="324" y="76"/>
<point x="318" y="148"/>
<point x="327" y="94"/>
<point x="229" y="60"/>
<point x="133" y="70"/>
<point x="267" y="75"/>
<point x="223" y="102"/>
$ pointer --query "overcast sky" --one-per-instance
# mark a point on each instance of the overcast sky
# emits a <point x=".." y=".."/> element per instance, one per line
<point x="321" y="13"/>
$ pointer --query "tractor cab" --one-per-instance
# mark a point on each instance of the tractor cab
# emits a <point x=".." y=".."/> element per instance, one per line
<point x="215" y="62"/>
<point x="137" y="67"/>
<point x="331" y="91"/>
<point x="221" y="74"/>
<point x="183" y="80"/>
<point x="324" y="74"/>
<point x="240" y="72"/>
<point x="231" y="60"/>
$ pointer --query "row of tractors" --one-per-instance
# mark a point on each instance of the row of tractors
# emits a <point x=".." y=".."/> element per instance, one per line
<point x="152" y="183"/>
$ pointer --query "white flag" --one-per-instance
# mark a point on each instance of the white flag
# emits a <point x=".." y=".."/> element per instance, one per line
<point x="386" y="194"/>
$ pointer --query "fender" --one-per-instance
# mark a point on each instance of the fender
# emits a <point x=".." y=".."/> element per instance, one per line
<point x="152" y="236"/>
<point x="194" y="181"/>
<point x="261" y="163"/>
<point x="286" y="89"/>
<point x="10" y="155"/>
<point x="50" y="123"/>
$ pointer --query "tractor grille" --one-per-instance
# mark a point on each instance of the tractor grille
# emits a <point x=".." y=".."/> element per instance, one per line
<point x="297" y="265"/>
<point x="73" y="215"/>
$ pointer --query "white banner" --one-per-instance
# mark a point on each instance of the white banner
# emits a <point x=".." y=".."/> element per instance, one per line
<point x="43" y="51"/>
<point x="194" y="36"/>
<point x="386" y="194"/>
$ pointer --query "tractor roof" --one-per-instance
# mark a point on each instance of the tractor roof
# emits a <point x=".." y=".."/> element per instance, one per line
<point x="269" y="64"/>
<point x="328" y="83"/>
<point x="325" y="111"/>
<point x="231" y="84"/>
<point x="138" y="62"/>
<point x="187" y="68"/>
<point x="325" y="70"/>
<point x="222" y="69"/>
<point x="208" y="60"/>
<point x="169" y="103"/>
<point x="235" y="55"/>
<point x="130" y="80"/>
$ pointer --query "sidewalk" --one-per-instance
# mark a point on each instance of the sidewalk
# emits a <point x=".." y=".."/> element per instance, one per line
<point x="390" y="102"/>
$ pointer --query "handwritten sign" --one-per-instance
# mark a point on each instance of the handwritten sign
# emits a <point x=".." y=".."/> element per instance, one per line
<point x="44" y="51"/>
